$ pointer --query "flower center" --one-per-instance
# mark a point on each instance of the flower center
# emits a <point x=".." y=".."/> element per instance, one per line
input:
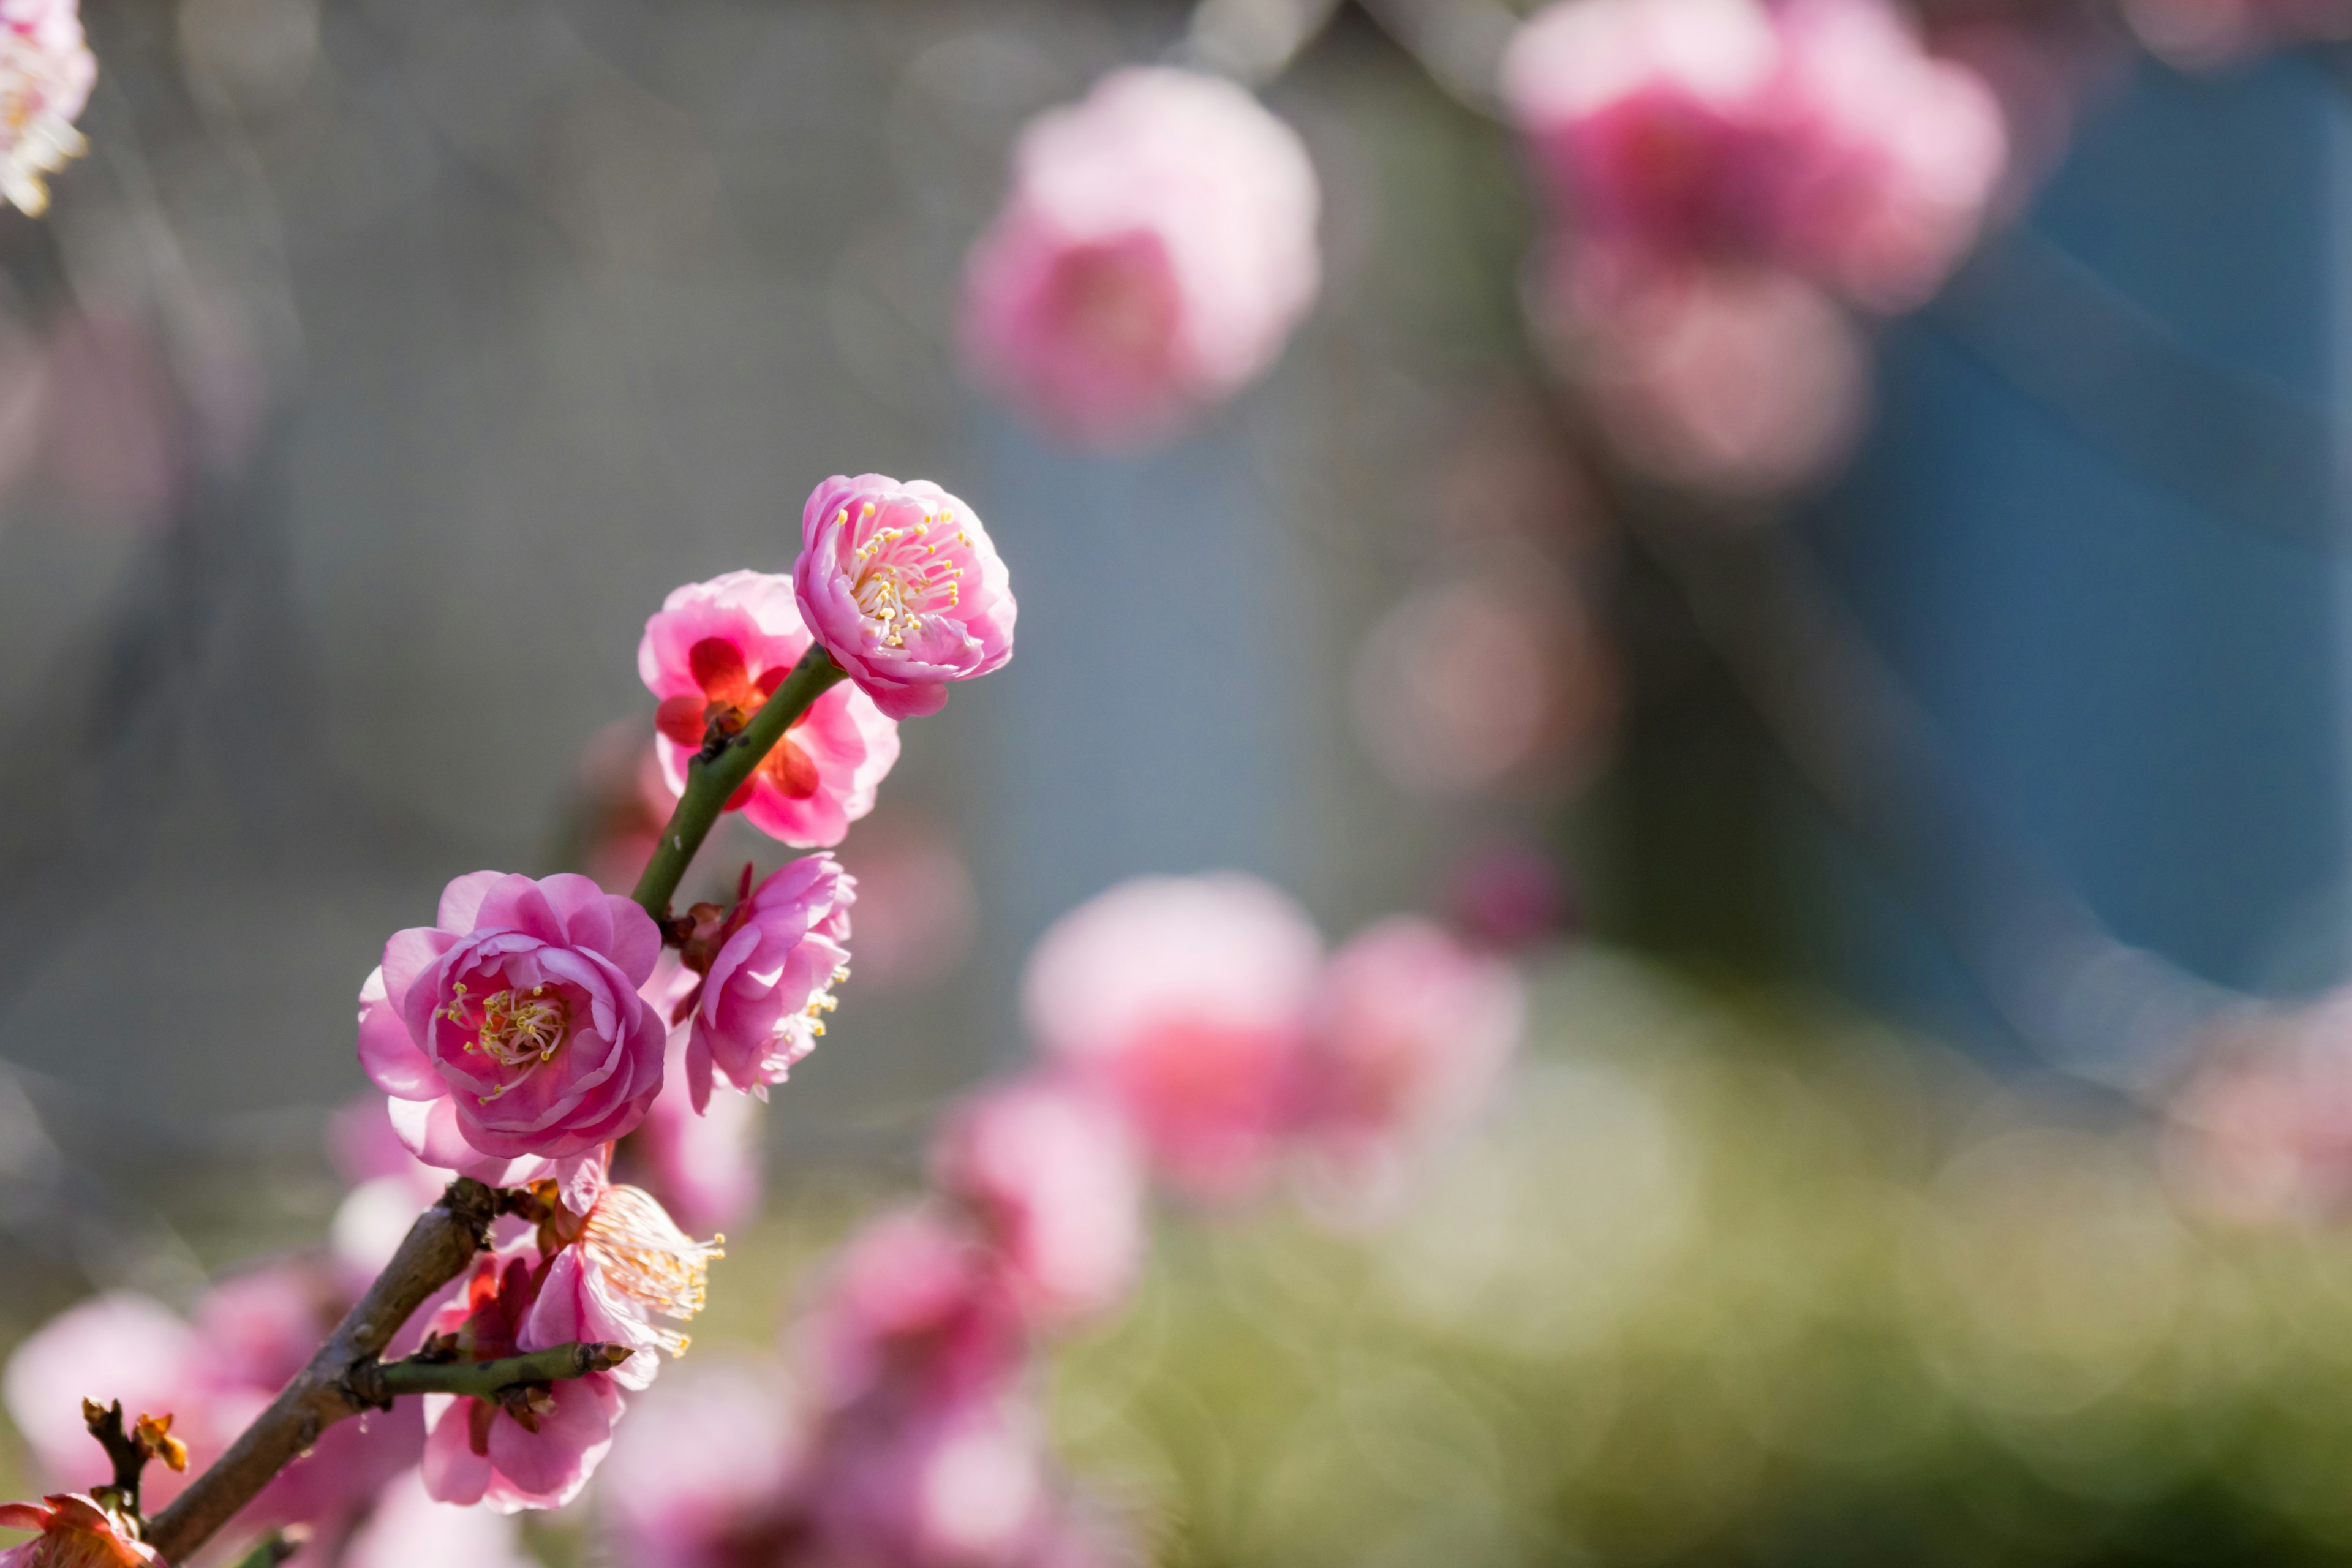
<point x="646" y="1258"/>
<point x="901" y="575"/>
<point x="514" y="1028"/>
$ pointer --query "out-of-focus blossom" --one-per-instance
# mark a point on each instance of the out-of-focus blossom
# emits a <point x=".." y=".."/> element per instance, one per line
<point x="914" y="1310"/>
<point x="76" y="1532"/>
<point x="117" y="442"/>
<point x="408" y="1529"/>
<point x="902" y="585"/>
<point x="1508" y="896"/>
<point x="1819" y="136"/>
<point x="705" y="1472"/>
<point x="1487" y="683"/>
<point x="705" y="1167"/>
<point x="2200" y="34"/>
<point x="389" y="1187"/>
<point x="1052" y="1174"/>
<point x="617" y="1264"/>
<point x="45" y="74"/>
<point x="625" y="800"/>
<point x="714" y="654"/>
<point x="1182" y="998"/>
<point x="120" y="1345"/>
<point x="769" y="966"/>
<point x="535" y="1450"/>
<point x="916" y="907"/>
<point x="957" y="1484"/>
<point x="1744" y="381"/>
<point x="1155" y="249"/>
<point x="512" y="1026"/>
<point x="1411" y="1032"/>
<point x="2261" y="1132"/>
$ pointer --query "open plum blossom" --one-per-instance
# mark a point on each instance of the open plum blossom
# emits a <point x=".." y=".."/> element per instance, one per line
<point x="76" y="1532"/>
<point x="1183" y="999"/>
<point x="715" y="654"/>
<point x="45" y="74"/>
<point x="1819" y="136"/>
<point x="903" y="587"/>
<point x="1410" y="1030"/>
<point x="1052" y="1175"/>
<point x="769" y="967"/>
<point x="1154" y="251"/>
<point x="533" y="1447"/>
<point x="512" y="1027"/>
<point x="615" y="1264"/>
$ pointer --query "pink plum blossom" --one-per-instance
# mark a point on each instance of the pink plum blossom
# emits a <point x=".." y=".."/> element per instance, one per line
<point x="956" y="1484"/>
<point x="704" y="1473"/>
<point x="769" y="967"/>
<point x="120" y="1345"/>
<point x="903" y="587"/>
<point x="914" y="1312"/>
<point x="408" y="1529"/>
<point x="616" y="1265"/>
<point x="512" y="1027"/>
<point x="1410" y="1033"/>
<point x="715" y="653"/>
<point x="45" y="74"/>
<point x="76" y="1532"/>
<point x="1052" y="1173"/>
<point x="1183" y="999"/>
<point x="536" y="1452"/>
<point x="1156" y="248"/>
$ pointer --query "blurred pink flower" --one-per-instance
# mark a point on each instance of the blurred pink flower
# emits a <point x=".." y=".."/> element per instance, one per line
<point x="959" y="1483"/>
<point x="45" y="74"/>
<point x="1412" y="1031"/>
<point x="76" y="1532"/>
<point x="536" y="1452"/>
<point x="1819" y="135"/>
<point x="1509" y="896"/>
<point x="903" y="587"/>
<point x="1156" y="248"/>
<point x="512" y="1026"/>
<point x="616" y="1265"/>
<point x="914" y="1312"/>
<point x="717" y="650"/>
<point x="1183" y="999"/>
<point x="705" y="1167"/>
<point x="2260" y="1131"/>
<point x="916" y="907"/>
<point x="1743" y="381"/>
<point x="1052" y="1174"/>
<point x="769" y="966"/>
<point x="408" y="1529"/>
<point x="120" y="1345"/>
<point x="704" y="1473"/>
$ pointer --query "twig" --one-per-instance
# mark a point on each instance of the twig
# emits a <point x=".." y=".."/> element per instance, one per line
<point x="719" y="770"/>
<point x="438" y="1248"/>
<point x="276" y="1547"/>
<point x="380" y="1382"/>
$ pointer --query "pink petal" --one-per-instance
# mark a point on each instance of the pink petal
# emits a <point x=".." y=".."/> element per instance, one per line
<point x="585" y="909"/>
<point x="453" y="1471"/>
<point x="388" y="1056"/>
<point x="462" y="898"/>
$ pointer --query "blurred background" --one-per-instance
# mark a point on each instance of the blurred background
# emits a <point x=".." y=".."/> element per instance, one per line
<point x="1918" y="842"/>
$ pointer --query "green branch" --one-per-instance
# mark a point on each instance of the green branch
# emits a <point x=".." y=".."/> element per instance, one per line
<point x="379" y="1383"/>
<point x="719" y="770"/>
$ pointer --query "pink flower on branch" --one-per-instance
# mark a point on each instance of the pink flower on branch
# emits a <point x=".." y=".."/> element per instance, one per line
<point x="768" y="969"/>
<point x="76" y="1532"/>
<point x="616" y="1263"/>
<point x="1183" y="999"/>
<point x="902" y="585"/>
<point x="1154" y="251"/>
<point x="512" y="1026"/>
<point x="714" y="655"/>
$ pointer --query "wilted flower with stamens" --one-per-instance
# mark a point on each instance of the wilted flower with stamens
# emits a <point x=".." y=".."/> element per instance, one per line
<point x="769" y="966"/>
<point x="45" y="74"/>
<point x="617" y="1264"/>
<point x="76" y="1532"/>
<point x="512" y="1027"/>
<point x="534" y="1447"/>
<point x="714" y="655"/>
<point x="902" y="585"/>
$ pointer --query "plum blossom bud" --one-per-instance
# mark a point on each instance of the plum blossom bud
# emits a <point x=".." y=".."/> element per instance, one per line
<point x="1052" y="1173"/>
<point x="45" y="74"/>
<point x="512" y="1026"/>
<point x="76" y="1532"/>
<point x="1154" y="251"/>
<point x="714" y="655"/>
<point x="1183" y="999"/>
<point x="769" y="968"/>
<point x="1411" y="1031"/>
<point x="903" y="587"/>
